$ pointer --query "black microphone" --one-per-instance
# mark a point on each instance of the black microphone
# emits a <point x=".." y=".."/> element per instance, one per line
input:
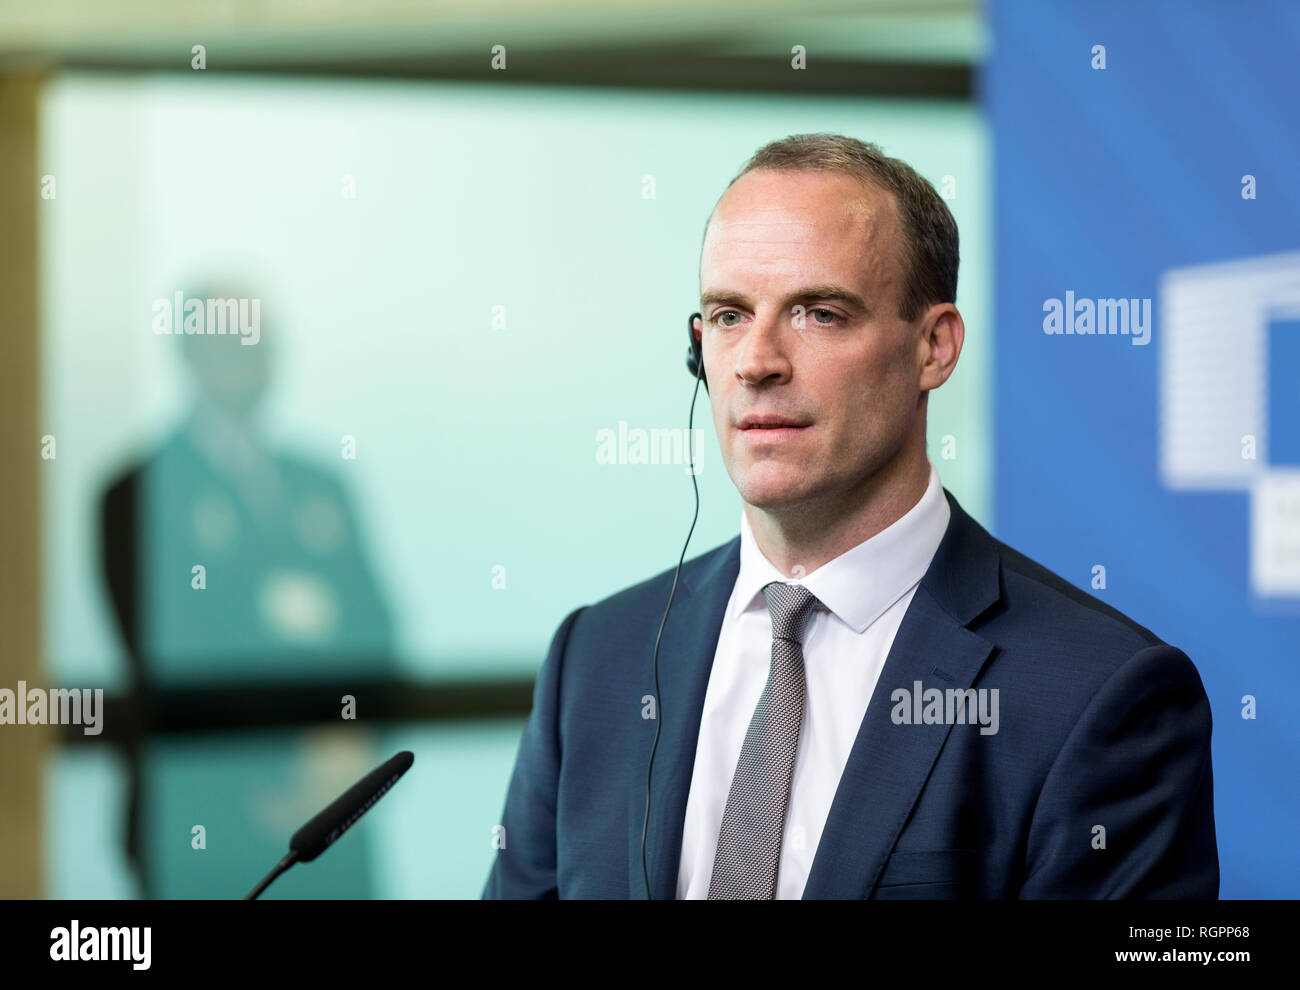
<point x="324" y="830"/>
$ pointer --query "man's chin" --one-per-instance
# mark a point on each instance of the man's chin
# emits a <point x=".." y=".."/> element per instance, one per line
<point x="776" y="495"/>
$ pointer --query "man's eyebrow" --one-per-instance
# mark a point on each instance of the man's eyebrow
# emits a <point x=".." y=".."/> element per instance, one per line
<point x="811" y="293"/>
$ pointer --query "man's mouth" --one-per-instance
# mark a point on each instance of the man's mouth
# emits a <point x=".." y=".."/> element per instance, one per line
<point x="770" y="429"/>
<point x="770" y="423"/>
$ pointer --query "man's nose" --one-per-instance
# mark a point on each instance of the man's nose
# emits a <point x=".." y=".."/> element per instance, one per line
<point x="762" y="356"/>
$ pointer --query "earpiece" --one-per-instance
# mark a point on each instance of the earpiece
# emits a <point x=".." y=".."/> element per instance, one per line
<point x="695" y="353"/>
<point x="695" y="362"/>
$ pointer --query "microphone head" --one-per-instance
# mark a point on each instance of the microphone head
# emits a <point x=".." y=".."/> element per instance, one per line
<point x="325" y="829"/>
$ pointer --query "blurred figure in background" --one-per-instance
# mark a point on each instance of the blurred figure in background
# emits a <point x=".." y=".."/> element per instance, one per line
<point x="232" y="564"/>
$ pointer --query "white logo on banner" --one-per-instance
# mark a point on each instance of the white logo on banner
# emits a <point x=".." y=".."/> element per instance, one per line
<point x="1213" y="382"/>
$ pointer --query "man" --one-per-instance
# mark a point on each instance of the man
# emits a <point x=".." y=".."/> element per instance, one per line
<point x="864" y="694"/>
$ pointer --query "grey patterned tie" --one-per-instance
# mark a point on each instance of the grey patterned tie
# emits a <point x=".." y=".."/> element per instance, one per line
<point x="753" y="821"/>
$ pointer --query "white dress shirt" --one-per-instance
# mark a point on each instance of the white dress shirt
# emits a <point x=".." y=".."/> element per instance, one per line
<point x="865" y="591"/>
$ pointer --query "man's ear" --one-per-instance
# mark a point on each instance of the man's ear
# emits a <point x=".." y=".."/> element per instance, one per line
<point x="943" y="331"/>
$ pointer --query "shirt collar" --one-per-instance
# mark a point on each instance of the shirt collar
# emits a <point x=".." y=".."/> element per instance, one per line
<point x="861" y="583"/>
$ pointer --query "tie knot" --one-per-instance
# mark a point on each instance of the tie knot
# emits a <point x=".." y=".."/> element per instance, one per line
<point x="790" y="606"/>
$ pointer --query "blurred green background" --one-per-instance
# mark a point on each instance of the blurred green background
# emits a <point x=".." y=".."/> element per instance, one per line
<point x="462" y="283"/>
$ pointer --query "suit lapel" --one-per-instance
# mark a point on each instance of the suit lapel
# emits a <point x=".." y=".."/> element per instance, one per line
<point x="889" y="763"/>
<point x="685" y="659"/>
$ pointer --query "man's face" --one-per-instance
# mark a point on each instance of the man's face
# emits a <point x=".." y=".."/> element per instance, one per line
<point x="232" y="376"/>
<point x="846" y="382"/>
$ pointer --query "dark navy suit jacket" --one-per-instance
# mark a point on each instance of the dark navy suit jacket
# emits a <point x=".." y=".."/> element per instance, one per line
<point x="1100" y="724"/>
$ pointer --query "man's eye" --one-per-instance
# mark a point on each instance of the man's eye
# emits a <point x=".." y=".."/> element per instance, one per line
<point x="719" y="316"/>
<point x="833" y="316"/>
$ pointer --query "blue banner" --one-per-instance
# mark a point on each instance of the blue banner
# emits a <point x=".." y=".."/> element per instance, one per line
<point x="1147" y="372"/>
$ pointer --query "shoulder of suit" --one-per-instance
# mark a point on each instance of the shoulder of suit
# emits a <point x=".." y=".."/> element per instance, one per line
<point x="1032" y="592"/>
<point x="652" y="593"/>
